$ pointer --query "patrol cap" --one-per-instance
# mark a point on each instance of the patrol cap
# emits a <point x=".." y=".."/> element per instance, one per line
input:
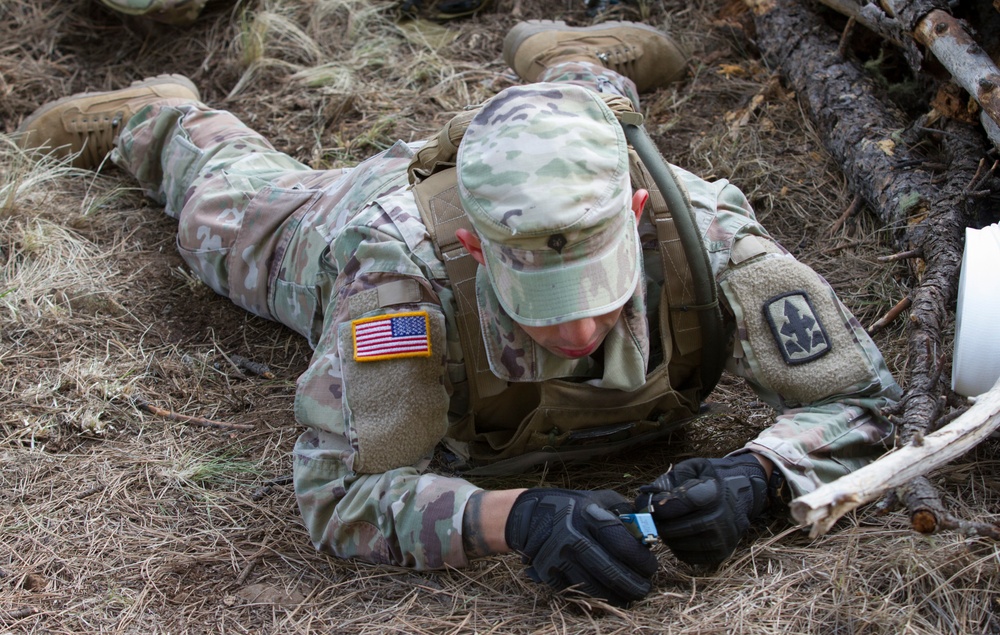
<point x="543" y="176"/>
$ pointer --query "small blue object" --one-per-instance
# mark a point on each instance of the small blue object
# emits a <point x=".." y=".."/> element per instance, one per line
<point x="641" y="526"/>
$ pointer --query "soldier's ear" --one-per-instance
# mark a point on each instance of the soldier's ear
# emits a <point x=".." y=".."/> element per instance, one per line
<point x="639" y="199"/>
<point x="471" y="243"/>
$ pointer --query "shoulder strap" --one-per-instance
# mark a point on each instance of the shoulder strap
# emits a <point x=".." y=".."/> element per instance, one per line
<point x="683" y="250"/>
<point x="441" y="210"/>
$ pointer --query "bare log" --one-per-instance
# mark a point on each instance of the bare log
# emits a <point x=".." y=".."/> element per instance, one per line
<point x="968" y="63"/>
<point x="947" y="38"/>
<point x="823" y="507"/>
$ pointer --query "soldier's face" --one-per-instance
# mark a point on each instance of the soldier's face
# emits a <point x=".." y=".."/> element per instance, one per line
<point x="575" y="339"/>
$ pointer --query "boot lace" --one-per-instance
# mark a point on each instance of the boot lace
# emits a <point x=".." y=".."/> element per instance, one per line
<point x="96" y="134"/>
<point x="621" y="58"/>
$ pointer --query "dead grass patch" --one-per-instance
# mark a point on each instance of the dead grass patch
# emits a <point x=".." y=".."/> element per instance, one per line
<point x="112" y="520"/>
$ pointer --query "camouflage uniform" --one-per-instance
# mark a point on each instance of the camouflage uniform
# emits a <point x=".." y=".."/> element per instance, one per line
<point x="178" y="12"/>
<point x="318" y="250"/>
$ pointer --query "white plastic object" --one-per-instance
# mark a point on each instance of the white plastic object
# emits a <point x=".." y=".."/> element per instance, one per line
<point x="976" y="363"/>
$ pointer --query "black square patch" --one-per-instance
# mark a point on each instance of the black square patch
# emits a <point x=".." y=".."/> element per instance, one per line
<point x="799" y="334"/>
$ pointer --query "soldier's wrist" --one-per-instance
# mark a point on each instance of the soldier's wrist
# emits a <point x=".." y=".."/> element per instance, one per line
<point x="485" y="520"/>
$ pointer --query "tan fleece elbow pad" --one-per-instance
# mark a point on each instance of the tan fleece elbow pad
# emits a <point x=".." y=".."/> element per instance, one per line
<point x="797" y="336"/>
<point x="395" y="409"/>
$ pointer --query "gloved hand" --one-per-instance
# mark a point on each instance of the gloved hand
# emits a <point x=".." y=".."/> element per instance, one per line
<point x="702" y="507"/>
<point x="572" y="537"/>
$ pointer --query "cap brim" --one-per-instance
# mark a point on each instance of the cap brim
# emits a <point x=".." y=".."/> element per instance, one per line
<point x="570" y="291"/>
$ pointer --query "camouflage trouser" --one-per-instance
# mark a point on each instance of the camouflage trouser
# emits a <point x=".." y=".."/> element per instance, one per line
<point x="177" y="12"/>
<point x="253" y="224"/>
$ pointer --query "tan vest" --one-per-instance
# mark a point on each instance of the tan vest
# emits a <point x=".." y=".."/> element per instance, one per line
<point x="507" y="427"/>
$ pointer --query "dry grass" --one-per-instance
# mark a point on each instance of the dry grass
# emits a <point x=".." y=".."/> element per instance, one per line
<point x="115" y="521"/>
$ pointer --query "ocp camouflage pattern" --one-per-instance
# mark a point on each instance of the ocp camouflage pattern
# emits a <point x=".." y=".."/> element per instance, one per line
<point x="312" y="249"/>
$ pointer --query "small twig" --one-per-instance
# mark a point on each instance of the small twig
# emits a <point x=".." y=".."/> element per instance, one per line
<point x="978" y="180"/>
<point x="945" y="419"/>
<point x="252" y="562"/>
<point x="893" y="313"/>
<point x="198" y="421"/>
<point x="974" y="181"/>
<point x="846" y="245"/>
<point x="90" y="491"/>
<point x="269" y="486"/>
<point x="903" y="255"/>
<point x="252" y="367"/>
<point x="851" y="210"/>
<point x="970" y="527"/>
<point x="845" y="37"/>
<point x="21" y="613"/>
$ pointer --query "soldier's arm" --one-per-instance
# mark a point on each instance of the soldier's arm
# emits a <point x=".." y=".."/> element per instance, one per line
<point x="806" y="356"/>
<point x="485" y="520"/>
<point x="372" y="424"/>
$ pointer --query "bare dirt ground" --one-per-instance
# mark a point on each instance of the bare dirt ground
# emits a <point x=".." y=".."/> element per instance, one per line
<point x="113" y="520"/>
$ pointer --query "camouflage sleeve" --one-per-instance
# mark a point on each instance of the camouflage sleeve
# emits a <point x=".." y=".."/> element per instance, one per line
<point x="800" y="349"/>
<point x="375" y="412"/>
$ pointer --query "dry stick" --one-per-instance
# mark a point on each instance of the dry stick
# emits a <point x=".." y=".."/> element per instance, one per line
<point x="252" y="367"/>
<point x="851" y="210"/>
<point x="269" y="486"/>
<point x="21" y="613"/>
<point x="197" y="421"/>
<point x="891" y="315"/>
<point x="822" y="507"/>
<point x="929" y="23"/>
<point x="903" y="255"/>
<point x="845" y="38"/>
<point x="970" y="66"/>
<point x="859" y="134"/>
<point x="90" y="491"/>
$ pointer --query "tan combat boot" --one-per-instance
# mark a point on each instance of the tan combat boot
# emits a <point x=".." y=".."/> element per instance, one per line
<point x="87" y="124"/>
<point x="640" y="52"/>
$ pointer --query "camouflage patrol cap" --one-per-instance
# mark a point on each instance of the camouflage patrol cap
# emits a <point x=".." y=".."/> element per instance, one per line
<point x="543" y="176"/>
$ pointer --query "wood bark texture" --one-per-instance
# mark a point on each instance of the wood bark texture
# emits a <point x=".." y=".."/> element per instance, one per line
<point x="860" y="130"/>
<point x="877" y="152"/>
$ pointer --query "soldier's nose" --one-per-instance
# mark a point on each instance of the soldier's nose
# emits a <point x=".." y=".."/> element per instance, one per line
<point x="578" y="333"/>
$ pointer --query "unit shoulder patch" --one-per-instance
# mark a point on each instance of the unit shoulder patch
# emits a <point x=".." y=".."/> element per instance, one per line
<point x="796" y="327"/>
<point x="391" y="336"/>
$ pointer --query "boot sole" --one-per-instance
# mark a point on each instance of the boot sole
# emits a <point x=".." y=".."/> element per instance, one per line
<point x="142" y="83"/>
<point x="524" y="30"/>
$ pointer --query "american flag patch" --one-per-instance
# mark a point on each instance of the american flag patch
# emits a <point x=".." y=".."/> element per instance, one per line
<point x="391" y="336"/>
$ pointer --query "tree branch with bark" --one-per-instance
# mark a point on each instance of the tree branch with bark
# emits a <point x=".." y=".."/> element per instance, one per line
<point x="885" y="160"/>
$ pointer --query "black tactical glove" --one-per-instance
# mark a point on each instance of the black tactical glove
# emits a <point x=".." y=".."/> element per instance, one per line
<point x="575" y="538"/>
<point x="702" y="507"/>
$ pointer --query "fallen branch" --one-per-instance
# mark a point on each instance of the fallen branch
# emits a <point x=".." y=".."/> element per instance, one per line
<point x="197" y="421"/>
<point x="19" y="614"/>
<point x="903" y="255"/>
<point x="824" y="506"/>
<point x="928" y="211"/>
